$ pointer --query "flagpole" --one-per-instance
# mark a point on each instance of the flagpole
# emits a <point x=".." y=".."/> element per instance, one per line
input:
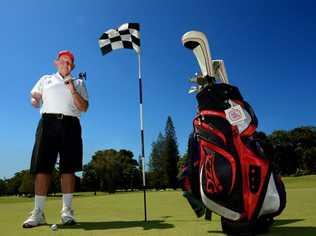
<point x="142" y="133"/>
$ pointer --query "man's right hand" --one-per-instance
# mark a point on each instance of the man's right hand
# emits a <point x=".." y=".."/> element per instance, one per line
<point x="36" y="99"/>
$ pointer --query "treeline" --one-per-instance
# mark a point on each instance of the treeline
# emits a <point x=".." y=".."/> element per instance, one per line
<point x="108" y="171"/>
<point x="292" y="153"/>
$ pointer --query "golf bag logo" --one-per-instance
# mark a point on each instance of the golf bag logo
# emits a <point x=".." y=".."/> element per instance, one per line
<point x="209" y="180"/>
<point x="235" y="115"/>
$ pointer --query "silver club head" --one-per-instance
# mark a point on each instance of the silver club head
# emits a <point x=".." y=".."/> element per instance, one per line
<point x="197" y="42"/>
<point x="220" y="71"/>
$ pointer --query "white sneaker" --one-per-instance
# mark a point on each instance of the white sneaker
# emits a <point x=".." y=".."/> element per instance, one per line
<point x="67" y="216"/>
<point x="36" y="218"/>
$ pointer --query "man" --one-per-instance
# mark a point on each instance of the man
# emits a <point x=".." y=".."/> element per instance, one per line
<point x="61" y="100"/>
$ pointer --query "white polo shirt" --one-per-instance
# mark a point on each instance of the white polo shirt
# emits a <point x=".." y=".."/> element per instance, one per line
<point x="56" y="97"/>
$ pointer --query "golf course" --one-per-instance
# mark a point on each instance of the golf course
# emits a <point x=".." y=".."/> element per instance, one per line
<point x="168" y="214"/>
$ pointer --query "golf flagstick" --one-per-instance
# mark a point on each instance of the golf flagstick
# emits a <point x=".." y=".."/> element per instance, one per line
<point x="142" y="132"/>
<point x="128" y="36"/>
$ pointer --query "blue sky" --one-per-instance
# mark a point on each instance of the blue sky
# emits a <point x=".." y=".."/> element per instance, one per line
<point x="268" y="48"/>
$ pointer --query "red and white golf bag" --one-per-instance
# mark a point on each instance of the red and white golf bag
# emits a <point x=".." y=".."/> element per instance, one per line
<point x="227" y="171"/>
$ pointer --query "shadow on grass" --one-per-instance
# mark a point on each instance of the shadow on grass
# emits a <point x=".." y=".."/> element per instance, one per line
<point x="153" y="224"/>
<point x="293" y="231"/>
<point x="285" y="221"/>
<point x="286" y="230"/>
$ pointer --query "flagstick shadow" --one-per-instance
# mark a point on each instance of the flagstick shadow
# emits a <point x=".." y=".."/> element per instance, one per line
<point x="106" y="225"/>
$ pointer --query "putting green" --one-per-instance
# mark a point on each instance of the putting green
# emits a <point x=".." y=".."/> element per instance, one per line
<point x="168" y="214"/>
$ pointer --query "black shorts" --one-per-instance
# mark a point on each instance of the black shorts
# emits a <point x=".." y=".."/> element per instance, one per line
<point x="57" y="134"/>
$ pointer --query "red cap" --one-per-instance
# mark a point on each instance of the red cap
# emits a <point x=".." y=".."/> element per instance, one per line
<point x="68" y="53"/>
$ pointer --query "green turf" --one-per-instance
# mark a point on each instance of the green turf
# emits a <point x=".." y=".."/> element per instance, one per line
<point x="168" y="214"/>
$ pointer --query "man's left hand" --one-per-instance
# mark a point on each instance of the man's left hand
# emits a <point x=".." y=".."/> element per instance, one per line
<point x="70" y="85"/>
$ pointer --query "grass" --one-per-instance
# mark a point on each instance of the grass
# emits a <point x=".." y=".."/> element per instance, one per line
<point x="168" y="214"/>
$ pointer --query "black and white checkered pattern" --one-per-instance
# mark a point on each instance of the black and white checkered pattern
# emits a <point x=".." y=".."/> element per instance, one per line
<point x="126" y="36"/>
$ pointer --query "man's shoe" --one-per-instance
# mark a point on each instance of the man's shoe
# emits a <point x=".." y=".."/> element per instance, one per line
<point x="36" y="218"/>
<point x="67" y="217"/>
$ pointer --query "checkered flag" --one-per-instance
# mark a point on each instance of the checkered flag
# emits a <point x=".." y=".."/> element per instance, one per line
<point x="126" y="36"/>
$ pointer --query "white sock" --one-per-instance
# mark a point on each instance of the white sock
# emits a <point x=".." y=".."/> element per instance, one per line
<point x="39" y="202"/>
<point x="67" y="200"/>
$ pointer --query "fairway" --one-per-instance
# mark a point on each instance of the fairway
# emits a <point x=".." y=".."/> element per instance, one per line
<point x="168" y="214"/>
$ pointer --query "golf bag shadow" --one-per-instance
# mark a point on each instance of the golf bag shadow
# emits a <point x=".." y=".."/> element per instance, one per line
<point x="227" y="171"/>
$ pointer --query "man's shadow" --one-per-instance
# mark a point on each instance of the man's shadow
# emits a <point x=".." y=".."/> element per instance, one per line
<point x="276" y="230"/>
<point x="152" y="224"/>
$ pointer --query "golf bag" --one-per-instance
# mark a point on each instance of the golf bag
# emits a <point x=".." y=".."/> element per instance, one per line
<point x="228" y="172"/>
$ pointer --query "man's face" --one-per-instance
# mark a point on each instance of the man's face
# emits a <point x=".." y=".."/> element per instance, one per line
<point x="64" y="65"/>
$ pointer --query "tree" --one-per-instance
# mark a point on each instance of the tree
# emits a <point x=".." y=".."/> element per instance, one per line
<point x="104" y="164"/>
<point x="164" y="159"/>
<point x="3" y="187"/>
<point x="294" y="150"/>
<point x="309" y="160"/>
<point x="110" y="170"/>
<point x="27" y="183"/>
<point x="128" y="171"/>
<point x="171" y="153"/>
<point x="14" y="183"/>
<point x="279" y="137"/>
<point x="89" y="180"/>
<point x="285" y="159"/>
<point x="55" y="182"/>
<point x="182" y="161"/>
<point x="304" y="137"/>
<point x="158" y="177"/>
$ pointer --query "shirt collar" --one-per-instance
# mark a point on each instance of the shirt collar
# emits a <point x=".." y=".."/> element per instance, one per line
<point x="60" y="77"/>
